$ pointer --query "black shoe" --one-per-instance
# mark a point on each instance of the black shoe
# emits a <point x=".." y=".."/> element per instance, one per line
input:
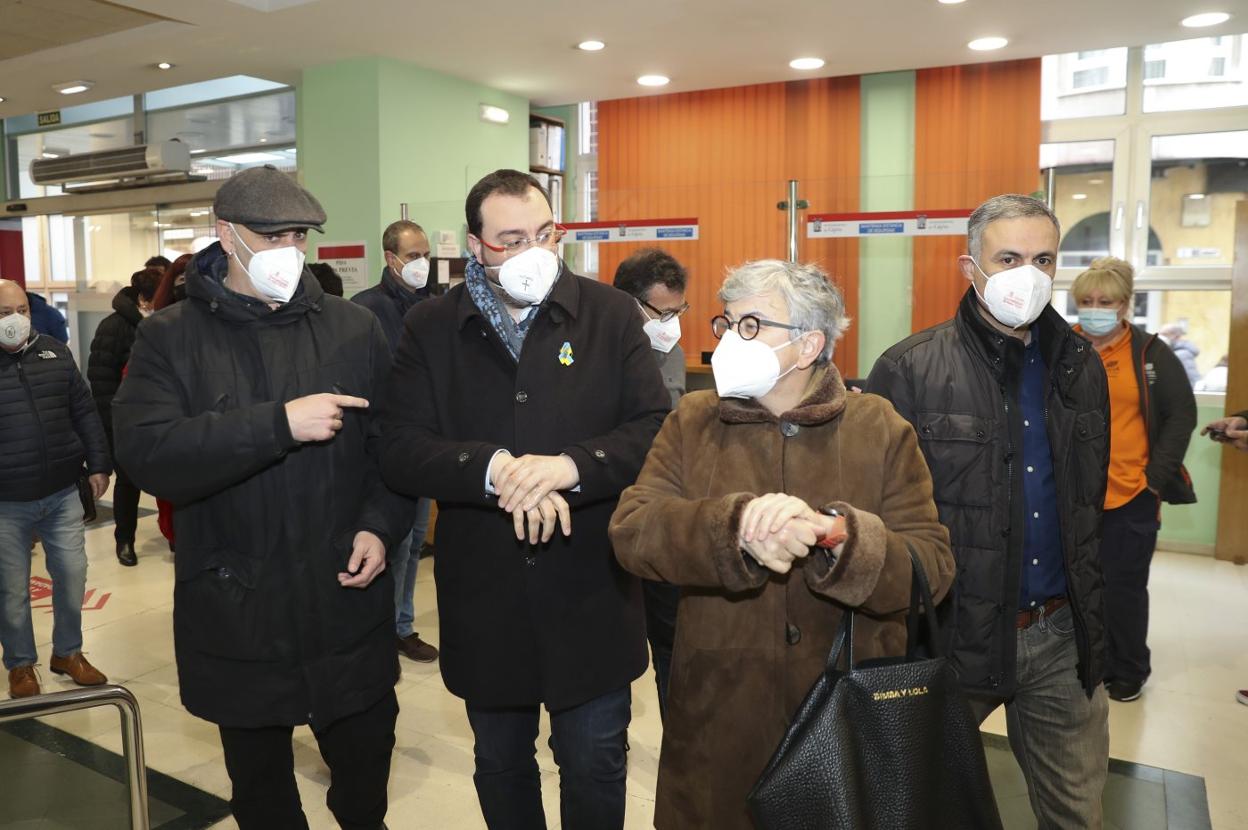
<point x="126" y="554"/>
<point x="1123" y="691"/>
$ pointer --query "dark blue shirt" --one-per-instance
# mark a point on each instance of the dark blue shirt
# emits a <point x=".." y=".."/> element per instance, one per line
<point x="1044" y="573"/>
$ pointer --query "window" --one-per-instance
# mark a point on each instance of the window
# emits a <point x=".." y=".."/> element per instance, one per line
<point x="1155" y="183"/>
<point x="1082" y="84"/>
<point x="587" y="114"/>
<point x="1202" y="73"/>
<point x="1090" y="77"/>
<point x="1196" y="179"/>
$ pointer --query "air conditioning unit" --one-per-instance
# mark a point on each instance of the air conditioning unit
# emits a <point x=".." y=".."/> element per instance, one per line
<point x="143" y="161"/>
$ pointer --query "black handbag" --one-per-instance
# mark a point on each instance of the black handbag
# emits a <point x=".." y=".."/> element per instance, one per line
<point x="890" y="743"/>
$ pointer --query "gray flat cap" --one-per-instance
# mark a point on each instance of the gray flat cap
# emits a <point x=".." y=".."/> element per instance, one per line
<point x="267" y="200"/>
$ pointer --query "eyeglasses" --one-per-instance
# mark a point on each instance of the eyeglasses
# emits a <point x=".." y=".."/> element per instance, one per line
<point x="514" y="246"/>
<point x="666" y="316"/>
<point x="747" y="327"/>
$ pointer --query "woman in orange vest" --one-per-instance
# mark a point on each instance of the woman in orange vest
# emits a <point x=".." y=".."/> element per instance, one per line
<point x="1152" y="415"/>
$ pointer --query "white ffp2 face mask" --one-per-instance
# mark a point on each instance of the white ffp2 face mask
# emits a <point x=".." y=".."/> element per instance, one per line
<point x="746" y="368"/>
<point x="528" y="276"/>
<point x="663" y="336"/>
<point x="1016" y="297"/>
<point x="14" y="330"/>
<point x="275" y="272"/>
<point x="415" y="274"/>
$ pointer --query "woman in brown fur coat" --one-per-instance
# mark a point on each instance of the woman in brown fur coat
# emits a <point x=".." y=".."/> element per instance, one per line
<point x="775" y="503"/>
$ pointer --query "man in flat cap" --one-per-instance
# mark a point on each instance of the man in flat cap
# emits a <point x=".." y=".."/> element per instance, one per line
<point x="248" y="408"/>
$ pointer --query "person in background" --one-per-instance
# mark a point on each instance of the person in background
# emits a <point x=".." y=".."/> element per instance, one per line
<point x="46" y="318"/>
<point x="51" y="431"/>
<point x="1233" y="432"/>
<point x="1172" y="334"/>
<point x="777" y="502"/>
<point x="172" y="289"/>
<point x="524" y="400"/>
<point x="159" y="262"/>
<point x="247" y="406"/>
<point x="403" y="284"/>
<point x="1012" y="412"/>
<point x="657" y="281"/>
<point x="325" y="274"/>
<point x="1152" y="414"/>
<point x="110" y="349"/>
<point x="172" y="286"/>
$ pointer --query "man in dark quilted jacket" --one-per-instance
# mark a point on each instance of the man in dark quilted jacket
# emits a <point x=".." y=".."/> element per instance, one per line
<point x="49" y="431"/>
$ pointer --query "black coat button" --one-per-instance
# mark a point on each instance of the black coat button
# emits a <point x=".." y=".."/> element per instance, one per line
<point x="600" y="454"/>
<point x="464" y="458"/>
<point x="522" y="396"/>
<point x="792" y="634"/>
<point x="788" y="429"/>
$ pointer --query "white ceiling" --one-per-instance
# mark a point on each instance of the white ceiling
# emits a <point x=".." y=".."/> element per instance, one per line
<point x="527" y="48"/>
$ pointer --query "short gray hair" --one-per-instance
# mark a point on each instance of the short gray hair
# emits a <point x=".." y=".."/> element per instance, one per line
<point x="814" y="302"/>
<point x="1008" y="206"/>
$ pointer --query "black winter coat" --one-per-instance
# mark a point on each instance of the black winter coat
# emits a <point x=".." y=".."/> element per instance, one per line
<point x="957" y="383"/>
<point x="48" y="423"/>
<point x="264" y="634"/>
<point x="559" y="623"/>
<point x="1168" y="408"/>
<point x="390" y="301"/>
<point x="110" y="350"/>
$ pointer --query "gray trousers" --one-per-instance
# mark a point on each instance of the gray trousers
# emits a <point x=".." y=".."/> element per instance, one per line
<point x="1059" y="736"/>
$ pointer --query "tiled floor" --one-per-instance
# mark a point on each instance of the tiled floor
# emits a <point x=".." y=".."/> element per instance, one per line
<point x="1187" y="720"/>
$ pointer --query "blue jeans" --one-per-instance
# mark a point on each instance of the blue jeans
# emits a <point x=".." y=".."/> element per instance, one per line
<point x="406" y="558"/>
<point x="588" y="741"/>
<point x="58" y="521"/>
<point x="1060" y="736"/>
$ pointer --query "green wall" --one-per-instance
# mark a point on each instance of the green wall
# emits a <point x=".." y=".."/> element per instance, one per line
<point x="1197" y="524"/>
<point x="375" y="132"/>
<point x="887" y="169"/>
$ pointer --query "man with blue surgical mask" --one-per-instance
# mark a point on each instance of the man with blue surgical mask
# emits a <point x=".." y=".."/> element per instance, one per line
<point x="1011" y="409"/>
<point x="524" y="401"/>
<point x="248" y="407"/>
<point x="404" y="283"/>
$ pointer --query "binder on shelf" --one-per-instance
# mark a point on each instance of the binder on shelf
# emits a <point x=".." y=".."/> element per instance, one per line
<point x="554" y="147"/>
<point x="539" y="146"/>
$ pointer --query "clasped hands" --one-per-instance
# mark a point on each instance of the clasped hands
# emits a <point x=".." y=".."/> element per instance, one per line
<point x="527" y="488"/>
<point x="777" y="529"/>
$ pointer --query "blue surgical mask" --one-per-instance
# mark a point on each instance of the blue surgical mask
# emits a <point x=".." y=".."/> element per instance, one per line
<point x="1098" y="322"/>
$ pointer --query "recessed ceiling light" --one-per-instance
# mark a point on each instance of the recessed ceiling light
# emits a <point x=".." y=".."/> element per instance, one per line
<point x="987" y="44"/>
<point x="591" y="46"/>
<point x="1096" y="181"/>
<point x="164" y="65"/>
<point x="1196" y="196"/>
<point x="1" y="100"/>
<point x="73" y="87"/>
<point x="807" y="63"/>
<point x="951" y="2"/>
<point x="1199" y="21"/>
<point x="654" y="80"/>
<point x="48" y="155"/>
<point x="264" y="140"/>
<point x="1079" y="196"/>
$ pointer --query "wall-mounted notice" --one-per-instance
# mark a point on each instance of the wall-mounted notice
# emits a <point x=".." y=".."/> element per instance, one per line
<point x="350" y="260"/>
<point x="887" y="223"/>
<point x="633" y="230"/>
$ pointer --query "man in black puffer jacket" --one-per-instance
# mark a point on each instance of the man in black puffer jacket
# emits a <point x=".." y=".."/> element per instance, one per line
<point x="1011" y="408"/>
<point x="48" y="430"/>
<point x="110" y="350"/>
<point x="247" y="406"/>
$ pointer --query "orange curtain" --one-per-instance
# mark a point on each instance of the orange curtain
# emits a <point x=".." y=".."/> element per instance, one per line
<point x="977" y="134"/>
<point x="725" y="156"/>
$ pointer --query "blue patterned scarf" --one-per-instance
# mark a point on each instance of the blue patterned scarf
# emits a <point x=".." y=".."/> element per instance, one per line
<point x="487" y="302"/>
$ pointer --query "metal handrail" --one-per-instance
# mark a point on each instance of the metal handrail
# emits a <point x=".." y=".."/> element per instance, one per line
<point x="131" y="731"/>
